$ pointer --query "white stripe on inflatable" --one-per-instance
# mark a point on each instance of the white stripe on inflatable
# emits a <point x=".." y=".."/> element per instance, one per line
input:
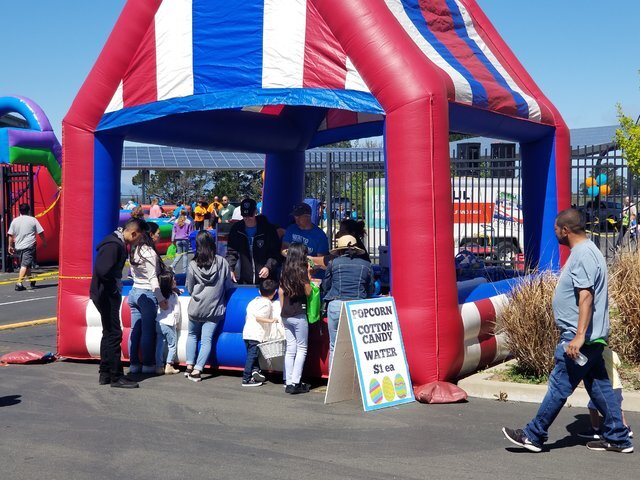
<point x="462" y="88"/>
<point x="174" y="49"/>
<point x="471" y="321"/>
<point x="472" y="353"/>
<point x="117" y="101"/>
<point x="93" y="333"/>
<point x="354" y="81"/>
<point x="502" y="351"/>
<point x="534" y="108"/>
<point x="283" y="42"/>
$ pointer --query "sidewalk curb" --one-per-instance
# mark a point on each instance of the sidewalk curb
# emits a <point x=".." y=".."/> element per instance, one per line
<point x="479" y="386"/>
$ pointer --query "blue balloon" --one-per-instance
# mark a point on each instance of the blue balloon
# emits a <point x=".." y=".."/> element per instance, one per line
<point x="601" y="179"/>
<point x="593" y="191"/>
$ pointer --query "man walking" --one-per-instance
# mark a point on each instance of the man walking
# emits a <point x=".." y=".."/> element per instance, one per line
<point x="22" y="241"/>
<point x="106" y="294"/>
<point x="255" y="243"/>
<point x="581" y="311"/>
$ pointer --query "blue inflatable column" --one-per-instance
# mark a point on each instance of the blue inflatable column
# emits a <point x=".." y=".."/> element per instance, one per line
<point x="106" y="194"/>
<point x="540" y="202"/>
<point x="283" y="185"/>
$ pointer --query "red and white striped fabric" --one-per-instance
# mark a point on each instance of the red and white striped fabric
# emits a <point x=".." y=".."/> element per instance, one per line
<point x="285" y="44"/>
<point x="482" y="346"/>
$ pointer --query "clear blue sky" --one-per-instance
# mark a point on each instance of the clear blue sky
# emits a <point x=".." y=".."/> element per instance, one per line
<point x="584" y="54"/>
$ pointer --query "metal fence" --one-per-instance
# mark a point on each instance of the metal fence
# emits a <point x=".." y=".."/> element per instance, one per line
<point x="16" y="185"/>
<point x="349" y="183"/>
<point x="486" y="197"/>
<point x="606" y="191"/>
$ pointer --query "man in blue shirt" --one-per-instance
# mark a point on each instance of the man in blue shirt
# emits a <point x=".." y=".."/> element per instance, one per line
<point x="305" y="232"/>
<point x="581" y="310"/>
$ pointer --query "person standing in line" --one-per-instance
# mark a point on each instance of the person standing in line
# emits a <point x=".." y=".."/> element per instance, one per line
<point x="348" y="277"/>
<point x="144" y="298"/>
<point x="156" y="210"/>
<point x="629" y="221"/>
<point x="255" y="243"/>
<point x="295" y="287"/>
<point x="225" y="214"/>
<point x="305" y="232"/>
<point x="198" y="215"/>
<point x="257" y="325"/>
<point x="167" y="321"/>
<point x="208" y="279"/>
<point x="22" y="241"/>
<point x="106" y="294"/>
<point x="212" y="210"/>
<point x="581" y="311"/>
<point x="180" y="236"/>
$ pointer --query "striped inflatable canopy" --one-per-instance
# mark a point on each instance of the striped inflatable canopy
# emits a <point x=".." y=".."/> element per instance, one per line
<point x="281" y="52"/>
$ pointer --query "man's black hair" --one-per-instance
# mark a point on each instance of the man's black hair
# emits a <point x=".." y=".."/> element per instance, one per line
<point x="135" y="224"/>
<point x="268" y="287"/>
<point x="24" y="208"/>
<point x="572" y="219"/>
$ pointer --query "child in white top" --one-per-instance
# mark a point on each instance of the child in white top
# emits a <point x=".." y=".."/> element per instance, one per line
<point x="258" y="317"/>
<point x="166" y="323"/>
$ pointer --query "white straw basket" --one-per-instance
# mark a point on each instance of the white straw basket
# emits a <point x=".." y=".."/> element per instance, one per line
<point x="273" y="348"/>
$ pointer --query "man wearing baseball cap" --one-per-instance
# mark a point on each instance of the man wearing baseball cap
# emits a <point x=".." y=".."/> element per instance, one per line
<point x="254" y="242"/>
<point x="305" y="232"/>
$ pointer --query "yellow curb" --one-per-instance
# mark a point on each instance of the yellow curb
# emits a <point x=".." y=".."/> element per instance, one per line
<point x="30" y="323"/>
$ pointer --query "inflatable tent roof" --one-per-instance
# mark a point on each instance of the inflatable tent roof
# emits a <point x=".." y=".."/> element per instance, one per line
<point x="281" y="76"/>
<point x="281" y="52"/>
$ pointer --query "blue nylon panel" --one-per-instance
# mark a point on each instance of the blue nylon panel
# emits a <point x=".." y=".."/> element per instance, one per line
<point x="106" y="187"/>
<point x="241" y="97"/>
<point x="227" y="44"/>
<point x="412" y="8"/>
<point x="458" y="23"/>
<point x="540" y="205"/>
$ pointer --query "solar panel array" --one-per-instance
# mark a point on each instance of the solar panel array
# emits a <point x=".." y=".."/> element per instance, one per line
<point x="175" y="158"/>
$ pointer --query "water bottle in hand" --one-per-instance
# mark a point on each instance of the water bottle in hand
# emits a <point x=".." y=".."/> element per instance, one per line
<point x="580" y="359"/>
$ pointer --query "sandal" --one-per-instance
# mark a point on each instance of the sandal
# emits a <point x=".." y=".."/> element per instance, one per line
<point x="188" y="371"/>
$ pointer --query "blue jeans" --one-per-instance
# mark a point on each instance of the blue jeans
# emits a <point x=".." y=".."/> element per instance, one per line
<point x="296" y="331"/>
<point x="252" y="364"/>
<point x="182" y="252"/>
<point x="333" y="318"/>
<point x="202" y="331"/>
<point x="144" y="308"/>
<point x="166" y="336"/>
<point x="564" y="378"/>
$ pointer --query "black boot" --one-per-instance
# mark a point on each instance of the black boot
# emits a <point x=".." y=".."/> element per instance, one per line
<point x="104" y="378"/>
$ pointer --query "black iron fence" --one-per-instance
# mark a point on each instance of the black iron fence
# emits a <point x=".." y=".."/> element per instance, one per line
<point x="350" y="183"/>
<point x="607" y="193"/>
<point x="16" y="185"/>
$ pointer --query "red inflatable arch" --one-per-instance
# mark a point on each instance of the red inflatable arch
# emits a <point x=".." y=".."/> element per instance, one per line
<point x="280" y="77"/>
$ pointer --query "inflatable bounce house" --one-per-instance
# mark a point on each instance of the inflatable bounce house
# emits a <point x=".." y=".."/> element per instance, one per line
<point x="281" y="76"/>
<point x="36" y="145"/>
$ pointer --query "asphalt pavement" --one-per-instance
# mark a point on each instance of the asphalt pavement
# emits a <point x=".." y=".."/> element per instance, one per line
<point x="57" y="422"/>
<point x="23" y="306"/>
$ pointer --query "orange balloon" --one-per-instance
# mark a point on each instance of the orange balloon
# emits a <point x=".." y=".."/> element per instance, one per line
<point x="605" y="190"/>
<point x="590" y="181"/>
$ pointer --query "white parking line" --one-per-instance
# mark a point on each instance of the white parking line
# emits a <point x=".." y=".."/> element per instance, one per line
<point x="27" y="300"/>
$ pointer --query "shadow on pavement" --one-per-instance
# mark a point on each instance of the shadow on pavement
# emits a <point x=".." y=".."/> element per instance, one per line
<point x="10" y="400"/>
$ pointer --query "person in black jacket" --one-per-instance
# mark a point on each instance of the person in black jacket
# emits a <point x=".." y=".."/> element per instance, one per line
<point x="255" y="242"/>
<point x="106" y="294"/>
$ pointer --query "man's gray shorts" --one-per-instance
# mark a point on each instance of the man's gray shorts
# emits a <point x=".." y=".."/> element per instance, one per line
<point x="27" y="256"/>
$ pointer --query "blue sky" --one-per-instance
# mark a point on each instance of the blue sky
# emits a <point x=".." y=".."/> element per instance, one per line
<point x="583" y="54"/>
